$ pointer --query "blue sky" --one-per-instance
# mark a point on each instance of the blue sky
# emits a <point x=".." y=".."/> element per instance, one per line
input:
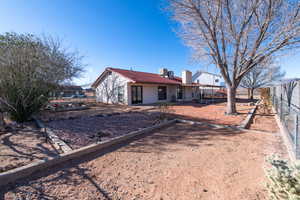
<point x="135" y="34"/>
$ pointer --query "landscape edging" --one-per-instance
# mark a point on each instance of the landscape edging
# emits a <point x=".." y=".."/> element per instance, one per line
<point x="246" y="122"/>
<point x="57" y="143"/>
<point x="27" y="170"/>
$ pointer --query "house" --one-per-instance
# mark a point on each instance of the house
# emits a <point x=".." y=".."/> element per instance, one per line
<point x="67" y="91"/>
<point x="133" y="87"/>
<point x="89" y="92"/>
<point x="212" y="85"/>
<point x="206" y="78"/>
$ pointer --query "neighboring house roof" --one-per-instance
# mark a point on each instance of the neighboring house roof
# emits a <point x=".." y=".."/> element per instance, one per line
<point x="71" y="87"/>
<point x="140" y="77"/>
<point x="199" y="72"/>
<point x="282" y="81"/>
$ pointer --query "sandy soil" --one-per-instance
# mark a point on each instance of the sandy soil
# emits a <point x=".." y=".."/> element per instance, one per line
<point x="214" y="113"/>
<point x="19" y="147"/>
<point x="83" y="131"/>
<point x="264" y="121"/>
<point x="183" y="162"/>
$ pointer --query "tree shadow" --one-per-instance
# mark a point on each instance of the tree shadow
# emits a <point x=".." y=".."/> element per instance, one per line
<point x="37" y="188"/>
<point x="183" y="135"/>
<point x="160" y="141"/>
<point x="15" y="153"/>
<point x="21" y="149"/>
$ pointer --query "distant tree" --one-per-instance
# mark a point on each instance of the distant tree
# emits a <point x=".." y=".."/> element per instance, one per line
<point x="261" y="75"/>
<point x="289" y="89"/>
<point x="30" y="68"/>
<point x="237" y="35"/>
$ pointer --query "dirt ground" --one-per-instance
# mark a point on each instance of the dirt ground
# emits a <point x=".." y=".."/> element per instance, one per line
<point x="214" y="113"/>
<point x="183" y="162"/>
<point x="83" y="131"/>
<point x="264" y="121"/>
<point x="22" y="146"/>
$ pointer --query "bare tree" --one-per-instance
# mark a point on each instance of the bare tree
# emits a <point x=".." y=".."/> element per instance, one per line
<point x="237" y="35"/>
<point x="261" y="75"/>
<point x="30" y="68"/>
<point x="289" y="89"/>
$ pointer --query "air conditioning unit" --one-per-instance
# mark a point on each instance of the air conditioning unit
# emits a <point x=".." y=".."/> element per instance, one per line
<point x="170" y="74"/>
<point x="163" y="72"/>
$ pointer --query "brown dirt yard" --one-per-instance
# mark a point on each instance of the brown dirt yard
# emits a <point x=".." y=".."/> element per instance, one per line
<point x="213" y="113"/>
<point x="81" y="128"/>
<point x="263" y="121"/>
<point x="21" y="146"/>
<point x="183" y="162"/>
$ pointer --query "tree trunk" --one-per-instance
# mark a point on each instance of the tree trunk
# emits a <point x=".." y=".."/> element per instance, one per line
<point x="251" y="93"/>
<point x="231" y="100"/>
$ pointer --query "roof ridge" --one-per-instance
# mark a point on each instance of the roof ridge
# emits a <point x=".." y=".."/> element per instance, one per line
<point x="202" y="71"/>
<point x="112" y="68"/>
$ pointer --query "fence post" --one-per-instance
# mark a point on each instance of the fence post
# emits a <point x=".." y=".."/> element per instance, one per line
<point x="281" y="115"/>
<point x="296" y="133"/>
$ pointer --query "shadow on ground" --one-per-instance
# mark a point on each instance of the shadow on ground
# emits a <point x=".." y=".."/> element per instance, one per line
<point x="160" y="141"/>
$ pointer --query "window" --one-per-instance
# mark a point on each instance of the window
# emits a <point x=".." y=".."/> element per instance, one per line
<point x="121" y="94"/>
<point x="162" y="92"/>
<point x="179" y="92"/>
<point x="217" y="80"/>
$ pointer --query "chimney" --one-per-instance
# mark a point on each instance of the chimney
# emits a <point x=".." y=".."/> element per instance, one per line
<point x="186" y="77"/>
<point x="163" y="72"/>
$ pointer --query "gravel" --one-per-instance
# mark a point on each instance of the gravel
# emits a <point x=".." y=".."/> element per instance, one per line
<point x="83" y="131"/>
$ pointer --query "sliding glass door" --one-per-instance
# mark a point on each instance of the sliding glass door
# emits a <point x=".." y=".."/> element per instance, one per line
<point x="137" y="94"/>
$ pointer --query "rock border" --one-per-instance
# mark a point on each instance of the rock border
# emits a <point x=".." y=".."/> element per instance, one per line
<point x="246" y="122"/>
<point x="27" y="170"/>
<point x="71" y="109"/>
<point x="56" y="142"/>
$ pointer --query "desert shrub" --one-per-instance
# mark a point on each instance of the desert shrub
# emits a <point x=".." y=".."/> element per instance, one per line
<point x="284" y="180"/>
<point x="30" y="68"/>
<point x="164" y="111"/>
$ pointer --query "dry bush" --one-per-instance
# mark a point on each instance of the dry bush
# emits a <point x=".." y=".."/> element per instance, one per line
<point x="284" y="180"/>
<point x="265" y="97"/>
<point x="164" y="111"/>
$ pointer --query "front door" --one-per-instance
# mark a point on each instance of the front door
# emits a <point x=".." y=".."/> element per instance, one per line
<point x="137" y="94"/>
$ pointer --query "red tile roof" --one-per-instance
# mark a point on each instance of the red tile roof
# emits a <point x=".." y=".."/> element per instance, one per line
<point x="142" y="77"/>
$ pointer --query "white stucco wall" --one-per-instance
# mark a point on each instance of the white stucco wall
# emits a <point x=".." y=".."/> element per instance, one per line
<point x="101" y="92"/>
<point x="188" y="93"/>
<point x="150" y="93"/>
<point x="208" y="79"/>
